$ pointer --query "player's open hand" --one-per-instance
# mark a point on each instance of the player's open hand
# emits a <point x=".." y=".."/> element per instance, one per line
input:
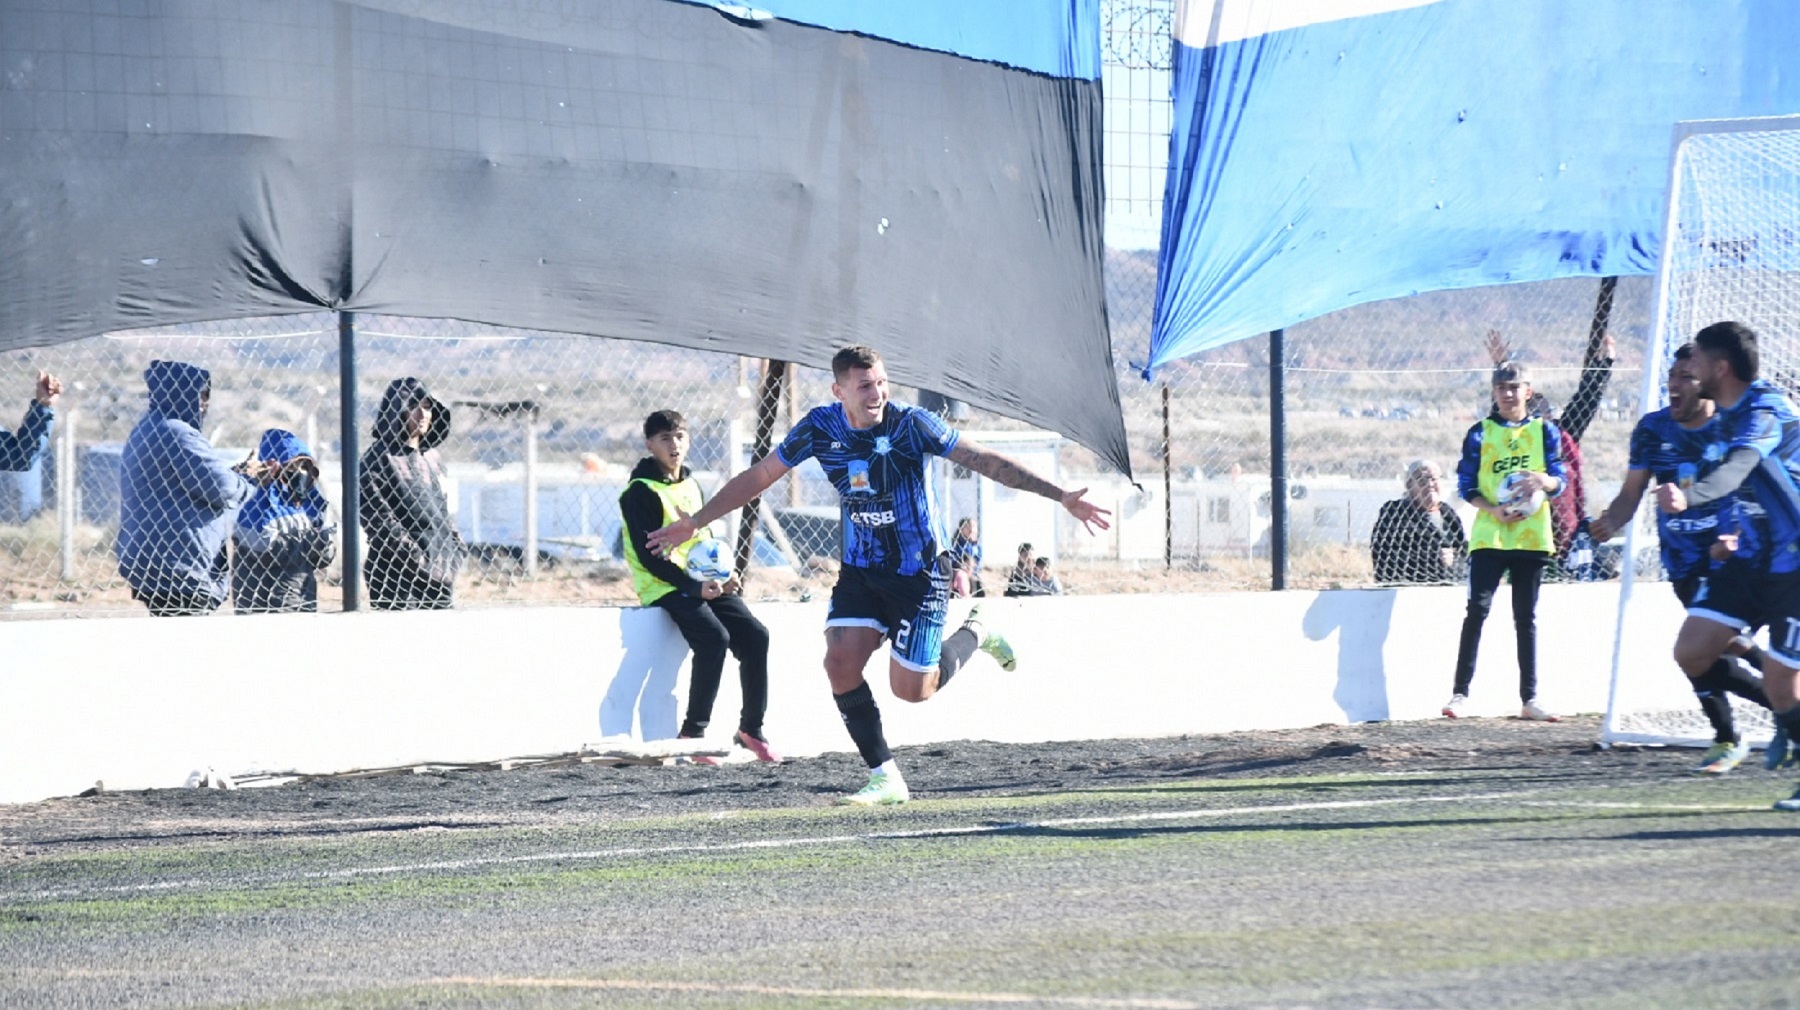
<point x="673" y="535"/>
<point x="1092" y="516"/>
<point x="1671" y="499"/>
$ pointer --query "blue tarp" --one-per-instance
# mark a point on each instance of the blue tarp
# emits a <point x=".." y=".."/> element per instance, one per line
<point x="1060" y="38"/>
<point x="1452" y="144"/>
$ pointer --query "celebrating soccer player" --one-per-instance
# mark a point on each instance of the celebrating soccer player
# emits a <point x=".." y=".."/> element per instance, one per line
<point x="1757" y="449"/>
<point x="1670" y="445"/>
<point x="895" y="580"/>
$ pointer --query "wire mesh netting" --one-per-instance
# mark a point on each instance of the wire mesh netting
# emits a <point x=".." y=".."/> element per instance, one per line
<point x="1733" y="254"/>
<point x="518" y="501"/>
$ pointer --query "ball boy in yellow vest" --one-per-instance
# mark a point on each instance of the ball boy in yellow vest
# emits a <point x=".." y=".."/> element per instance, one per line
<point x="1505" y="539"/>
<point x="711" y="614"/>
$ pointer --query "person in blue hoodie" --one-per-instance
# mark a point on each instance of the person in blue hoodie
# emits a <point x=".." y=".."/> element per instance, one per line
<point x="282" y="537"/>
<point x="177" y="497"/>
<point x="21" y="451"/>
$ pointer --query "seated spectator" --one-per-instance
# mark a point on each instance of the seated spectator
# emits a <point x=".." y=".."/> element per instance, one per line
<point x="965" y="559"/>
<point x="1018" y="582"/>
<point x="1043" y="581"/>
<point x="20" y="452"/>
<point x="282" y="537"/>
<point x="1418" y="539"/>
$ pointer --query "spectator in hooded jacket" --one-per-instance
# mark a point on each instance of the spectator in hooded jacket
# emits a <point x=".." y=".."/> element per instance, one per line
<point x="1419" y="539"/>
<point x="21" y="451"/>
<point x="412" y="550"/>
<point x="282" y="537"/>
<point x="177" y="498"/>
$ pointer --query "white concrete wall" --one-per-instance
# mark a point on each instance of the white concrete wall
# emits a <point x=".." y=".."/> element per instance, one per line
<point x="142" y="702"/>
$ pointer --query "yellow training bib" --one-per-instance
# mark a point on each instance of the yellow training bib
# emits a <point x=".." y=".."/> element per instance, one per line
<point x="1505" y="449"/>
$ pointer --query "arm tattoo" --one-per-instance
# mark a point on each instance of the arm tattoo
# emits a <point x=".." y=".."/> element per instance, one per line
<point x="998" y="468"/>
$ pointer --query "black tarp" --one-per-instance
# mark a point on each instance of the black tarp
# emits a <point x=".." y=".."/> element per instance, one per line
<point x="641" y="169"/>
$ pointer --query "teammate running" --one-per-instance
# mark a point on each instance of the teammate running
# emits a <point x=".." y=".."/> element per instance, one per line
<point x="895" y="580"/>
<point x="1757" y="446"/>
<point x="1670" y="445"/>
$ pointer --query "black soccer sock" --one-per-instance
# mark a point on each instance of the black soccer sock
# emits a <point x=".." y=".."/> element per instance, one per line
<point x="863" y="720"/>
<point x="1755" y="657"/>
<point x="1709" y="688"/>
<point x="1743" y="681"/>
<point x="957" y="650"/>
<point x="1791" y="720"/>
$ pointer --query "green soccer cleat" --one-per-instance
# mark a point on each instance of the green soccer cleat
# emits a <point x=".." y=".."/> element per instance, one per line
<point x="1721" y="758"/>
<point x="992" y="642"/>
<point x="883" y="790"/>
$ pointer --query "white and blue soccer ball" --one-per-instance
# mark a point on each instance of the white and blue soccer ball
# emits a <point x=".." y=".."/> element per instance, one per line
<point x="709" y="561"/>
<point x="1515" y="500"/>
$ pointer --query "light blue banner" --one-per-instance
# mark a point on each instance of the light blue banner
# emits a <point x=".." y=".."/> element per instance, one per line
<point x="1060" y="38"/>
<point x="1456" y="144"/>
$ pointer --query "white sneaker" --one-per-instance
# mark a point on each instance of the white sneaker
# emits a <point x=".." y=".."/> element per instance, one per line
<point x="1538" y="713"/>
<point x="1453" y="708"/>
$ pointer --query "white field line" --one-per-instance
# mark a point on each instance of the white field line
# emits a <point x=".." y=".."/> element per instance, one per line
<point x="921" y="995"/>
<point x="818" y="841"/>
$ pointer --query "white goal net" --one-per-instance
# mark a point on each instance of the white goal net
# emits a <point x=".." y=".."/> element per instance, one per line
<point x="1731" y="250"/>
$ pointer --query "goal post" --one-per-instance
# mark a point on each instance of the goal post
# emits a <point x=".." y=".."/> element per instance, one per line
<point x="1730" y="250"/>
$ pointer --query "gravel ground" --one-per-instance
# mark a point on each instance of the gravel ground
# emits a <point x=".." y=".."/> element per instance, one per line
<point x="964" y="769"/>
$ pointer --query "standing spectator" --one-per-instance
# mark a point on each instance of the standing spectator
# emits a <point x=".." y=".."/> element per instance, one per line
<point x="1507" y="537"/>
<point x="282" y="538"/>
<point x="176" y="498"/>
<point x="1018" y="581"/>
<point x="1419" y="539"/>
<point x="1043" y="581"/>
<point x="965" y="559"/>
<point x="413" y="552"/>
<point x="710" y="614"/>
<point x="21" y="451"/>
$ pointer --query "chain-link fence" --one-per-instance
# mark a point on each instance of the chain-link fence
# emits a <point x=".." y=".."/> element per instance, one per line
<point x="544" y="430"/>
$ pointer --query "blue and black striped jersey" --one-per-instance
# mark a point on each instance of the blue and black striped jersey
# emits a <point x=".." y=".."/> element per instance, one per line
<point x="882" y="481"/>
<point x="1677" y="455"/>
<point x="1764" y="419"/>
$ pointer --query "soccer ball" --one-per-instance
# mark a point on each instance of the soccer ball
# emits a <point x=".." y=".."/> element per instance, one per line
<point x="709" y="561"/>
<point x="1515" y="500"/>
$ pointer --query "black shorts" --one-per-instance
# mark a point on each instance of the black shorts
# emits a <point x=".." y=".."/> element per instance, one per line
<point x="908" y="609"/>
<point x="1730" y="594"/>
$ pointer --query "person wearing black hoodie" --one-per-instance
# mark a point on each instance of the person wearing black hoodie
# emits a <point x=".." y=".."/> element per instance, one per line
<point x="710" y="613"/>
<point x="412" y="552"/>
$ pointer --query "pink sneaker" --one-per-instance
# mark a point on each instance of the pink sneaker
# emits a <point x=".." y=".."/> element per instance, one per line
<point x="760" y="748"/>
<point x="699" y="759"/>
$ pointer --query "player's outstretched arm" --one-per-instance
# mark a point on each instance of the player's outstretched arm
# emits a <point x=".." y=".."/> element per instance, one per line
<point x="998" y="468"/>
<point x="737" y="492"/>
<point x="1618" y="515"/>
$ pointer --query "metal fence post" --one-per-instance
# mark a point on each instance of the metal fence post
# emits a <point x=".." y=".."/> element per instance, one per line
<point x="349" y="462"/>
<point x="1278" y="477"/>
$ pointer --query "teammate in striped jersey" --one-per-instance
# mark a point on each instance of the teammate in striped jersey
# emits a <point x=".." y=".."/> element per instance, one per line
<point x="895" y="580"/>
<point x="1669" y="445"/>
<point x="1757" y="448"/>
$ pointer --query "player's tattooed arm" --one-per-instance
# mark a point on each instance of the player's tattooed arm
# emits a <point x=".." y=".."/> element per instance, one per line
<point x="998" y="468"/>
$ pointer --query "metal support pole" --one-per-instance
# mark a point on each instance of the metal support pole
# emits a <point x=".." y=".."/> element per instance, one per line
<point x="65" y="493"/>
<point x="768" y="403"/>
<point x="350" y="462"/>
<point x="1168" y="489"/>
<point x="531" y="493"/>
<point x="1278" y="477"/>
